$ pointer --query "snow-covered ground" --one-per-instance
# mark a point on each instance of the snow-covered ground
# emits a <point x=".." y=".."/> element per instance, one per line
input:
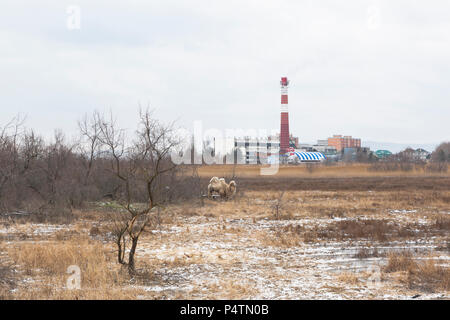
<point x="203" y="255"/>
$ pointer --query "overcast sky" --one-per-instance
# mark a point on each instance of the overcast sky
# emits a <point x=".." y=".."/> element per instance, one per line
<point x="378" y="70"/>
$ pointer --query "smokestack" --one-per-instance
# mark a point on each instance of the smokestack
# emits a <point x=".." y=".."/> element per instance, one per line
<point x="284" y="125"/>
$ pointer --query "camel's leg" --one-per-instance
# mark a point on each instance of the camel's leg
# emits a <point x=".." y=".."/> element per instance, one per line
<point x="209" y="192"/>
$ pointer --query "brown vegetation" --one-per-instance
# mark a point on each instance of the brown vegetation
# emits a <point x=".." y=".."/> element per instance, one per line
<point x="425" y="275"/>
<point x="369" y="229"/>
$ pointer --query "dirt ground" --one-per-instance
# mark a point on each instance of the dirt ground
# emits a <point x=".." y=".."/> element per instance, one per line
<point x="324" y="234"/>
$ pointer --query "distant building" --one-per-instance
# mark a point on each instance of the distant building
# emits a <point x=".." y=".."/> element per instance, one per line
<point x="256" y="150"/>
<point x="422" y="154"/>
<point x="305" y="147"/>
<point x="413" y="155"/>
<point x="326" y="149"/>
<point x="383" y="154"/>
<point x="299" y="157"/>
<point x="349" y="154"/>
<point x="261" y="150"/>
<point x="341" y="142"/>
<point x="293" y="141"/>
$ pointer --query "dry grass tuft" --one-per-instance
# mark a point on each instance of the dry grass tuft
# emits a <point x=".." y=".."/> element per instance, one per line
<point x="44" y="267"/>
<point x="7" y="281"/>
<point x="229" y="289"/>
<point x="444" y="247"/>
<point x="61" y="235"/>
<point x="189" y="212"/>
<point x="425" y="276"/>
<point x="374" y="229"/>
<point x="94" y="231"/>
<point x="430" y="277"/>
<point x="400" y="261"/>
<point x="364" y="253"/>
<point x="356" y="229"/>
<point x="442" y="223"/>
<point x="53" y="259"/>
<point x="349" y="278"/>
<point x="281" y="238"/>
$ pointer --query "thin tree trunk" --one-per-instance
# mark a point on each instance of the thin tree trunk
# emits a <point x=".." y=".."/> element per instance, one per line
<point x="131" y="262"/>
<point x="124" y="248"/>
<point x="119" y="251"/>
<point x="121" y="247"/>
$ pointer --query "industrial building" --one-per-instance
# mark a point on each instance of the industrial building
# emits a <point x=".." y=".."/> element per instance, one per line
<point x="341" y="142"/>
<point x="286" y="148"/>
<point x="298" y="157"/>
<point x="290" y="149"/>
<point x="326" y="150"/>
<point x="256" y="150"/>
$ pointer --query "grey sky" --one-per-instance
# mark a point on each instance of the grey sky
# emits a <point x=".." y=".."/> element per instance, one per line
<point x="378" y="70"/>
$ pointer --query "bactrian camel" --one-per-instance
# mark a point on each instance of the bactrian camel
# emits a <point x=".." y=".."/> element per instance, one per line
<point x="219" y="186"/>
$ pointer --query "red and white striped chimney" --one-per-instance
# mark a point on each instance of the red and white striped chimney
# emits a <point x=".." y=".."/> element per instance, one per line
<point x="284" y="125"/>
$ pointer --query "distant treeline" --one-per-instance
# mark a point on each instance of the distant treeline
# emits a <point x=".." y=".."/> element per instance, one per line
<point x="50" y="178"/>
<point x="405" y="161"/>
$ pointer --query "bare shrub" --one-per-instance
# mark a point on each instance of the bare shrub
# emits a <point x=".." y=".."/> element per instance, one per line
<point x="364" y="253"/>
<point x="400" y="261"/>
<point x="406" y="166"/>
<point x="278" y="205"/>
<point x="38" y="177"/>
<point x="282" y="238"/>
<point x="438" y="167"/>
<point x="7" y="280"/>
<point x="442" y="223"/>
<point x="94" y="231"/>
<point x="145" y="174"/>
<point x="426" y="276"/>
<point x="357" y="229"/>
<point x="382" y="166"/>
<point x="430" y="277"/>
<point x="186" y="184"/>
<point x="373" y="229"/>
<point x="442" y="153"/>
<point x="310" y="167"/>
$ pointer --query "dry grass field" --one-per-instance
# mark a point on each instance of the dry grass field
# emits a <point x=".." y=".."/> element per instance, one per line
<point x="344" y="170"/>
<point x="329" y="232"/>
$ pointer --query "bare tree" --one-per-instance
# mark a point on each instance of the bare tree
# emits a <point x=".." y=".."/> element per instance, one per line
<point x="140" y="165"/>
<point x="89" y="146"/>
<point x="51" y="174"/>
<point x="278" y="204"/>
<point x="193" y="184"/>
<point x="119" y="228"/>
<point x="10" y="137"/>
<point x="441" y="153"/>
<point x="32" y="148"/>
